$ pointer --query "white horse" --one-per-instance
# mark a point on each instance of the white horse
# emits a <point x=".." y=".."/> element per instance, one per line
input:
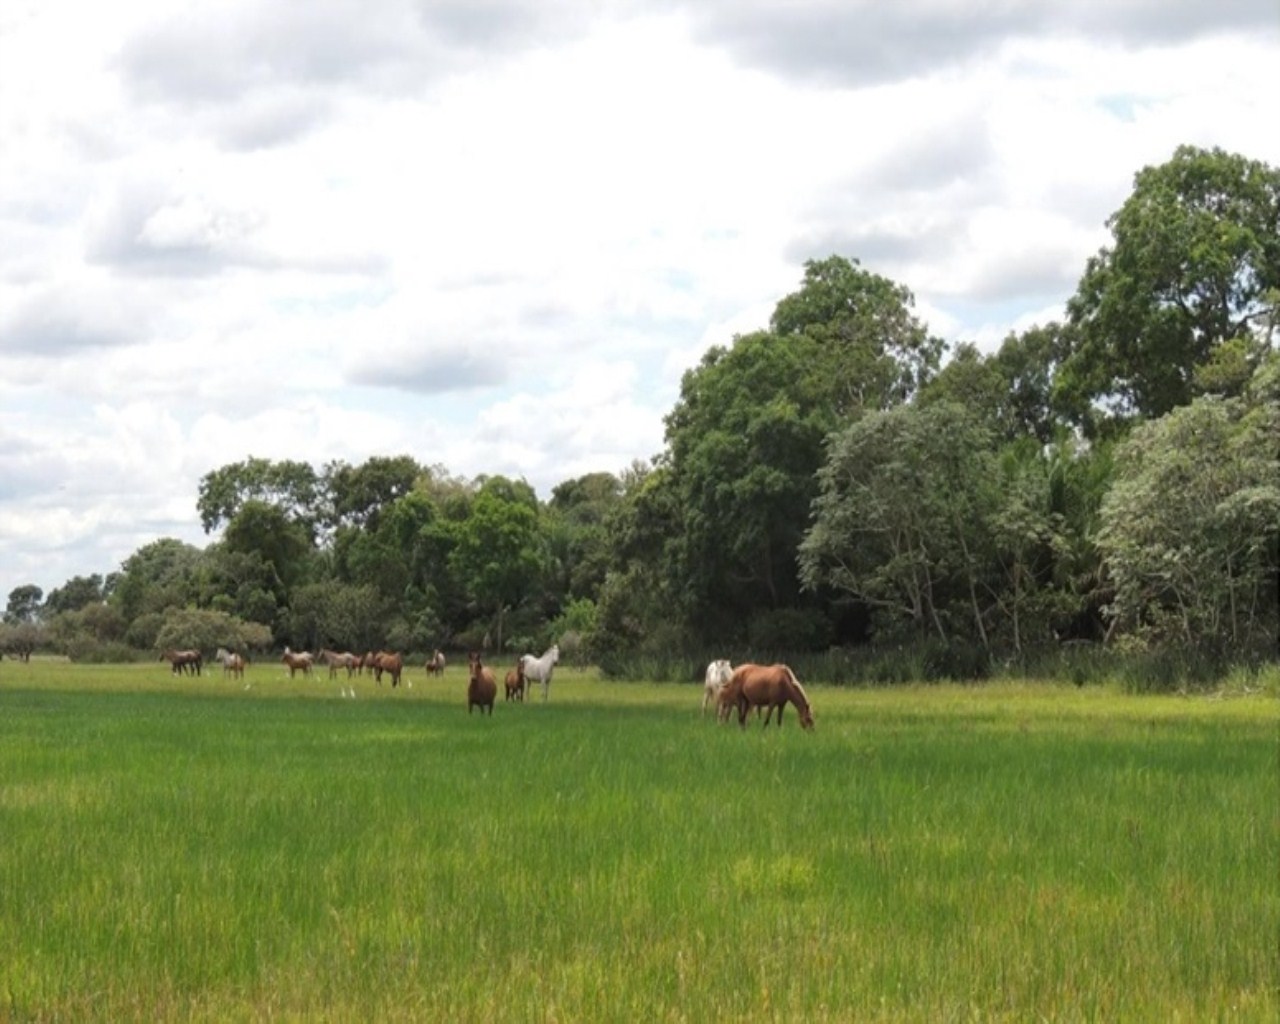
<point x="232" y="663"/>
<point x="538" y="670"/>
<point x="718" y="673"/>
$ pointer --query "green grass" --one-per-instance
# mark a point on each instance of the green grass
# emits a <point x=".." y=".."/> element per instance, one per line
<point x="191" y="850"/>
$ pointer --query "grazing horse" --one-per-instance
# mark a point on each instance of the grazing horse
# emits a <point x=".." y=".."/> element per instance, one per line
<point x="183" y="661"/>
<point x="718" y="673"/>
<point x="515" y="681"/>
<point x="336" y="661"/>
<point x="538" y="670"/>
<point x="435" y="664"/>
<point x="482" y="687"/>
<point x="769" y="686"/>
<point x="390" y="662"/>
<point x="299" y="661"/>
<point x="232" y="663"/>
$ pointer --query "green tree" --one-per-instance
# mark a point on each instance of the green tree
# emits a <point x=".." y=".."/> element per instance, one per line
<point x="289" y="486"/>
<point x="901" y="520"/>
<point x="744" y="442"/>
<point x="162" y="574"/>
<point x="359" y="493"/>
<point x="75" y="594"/>
<point x="1190" y="526"/>
<point x="1194" y="264"/>
<point x="875" y="352"/>
<point x="498" y="554"/>
<point x="24" y="604"/>
<point x="269" y="533"/>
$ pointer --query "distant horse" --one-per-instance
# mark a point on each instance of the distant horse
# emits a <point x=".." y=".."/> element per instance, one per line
<point x="336" y="660"/>
<point x="435" y="664"/>
<point x="538" y="670"/>
<point x="183" y="661"/>
<point x="482" y="687"/>
<point x="515" y="681"/>
<point x="718" y="673"/>
<point x="390" y="662"/>
<point x="769" y="686"/>
<point x="300" y="661"/>
<point x="232" y="663"/>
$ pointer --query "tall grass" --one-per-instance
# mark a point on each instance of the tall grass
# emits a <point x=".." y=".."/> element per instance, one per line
<point x="189" y="850"/>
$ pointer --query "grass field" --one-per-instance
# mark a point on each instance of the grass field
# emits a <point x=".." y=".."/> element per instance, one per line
<point x="192" y="850"/>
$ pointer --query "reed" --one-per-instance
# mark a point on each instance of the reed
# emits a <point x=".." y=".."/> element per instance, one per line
<point x="191" y="850"/>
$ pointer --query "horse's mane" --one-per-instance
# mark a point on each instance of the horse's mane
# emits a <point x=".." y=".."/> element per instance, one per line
<point x="796" y="683"/>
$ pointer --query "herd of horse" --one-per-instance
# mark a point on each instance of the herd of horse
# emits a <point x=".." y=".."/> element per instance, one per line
<point x="766" y="688"/>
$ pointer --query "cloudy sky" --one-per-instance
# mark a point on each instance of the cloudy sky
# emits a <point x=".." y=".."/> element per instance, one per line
<point x="492" y="235"/>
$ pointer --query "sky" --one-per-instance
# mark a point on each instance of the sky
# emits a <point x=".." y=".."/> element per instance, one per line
<point x="493" y="235"/>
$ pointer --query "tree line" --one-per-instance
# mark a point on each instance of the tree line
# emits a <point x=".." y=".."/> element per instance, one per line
<point x="839" y="484"/>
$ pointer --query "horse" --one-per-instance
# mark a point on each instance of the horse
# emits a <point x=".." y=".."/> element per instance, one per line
<point x="299" y="661"/>
<point x="515" y="681"/>
<point x="390" y="662"/>
<point x="538" y="670"/>
<point x="183" y="661"/>
<point x="482" y="687"/>
<point x="718" y="673"/>
<point x="435" y="664"/>
<point x="771" y="687"/>
<point x="232" y="663"/>
<point x="336" y="661"/>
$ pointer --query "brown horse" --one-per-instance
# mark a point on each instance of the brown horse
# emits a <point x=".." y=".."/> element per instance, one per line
<point x="482" y="688"/>
<point x="515" y="681"/>
<point x="771" y="687"/>
<point x="298" y="661"/>
<point x="435" y="664"/>
<point x="387" y="661"/>
<point x="183" y="661"/>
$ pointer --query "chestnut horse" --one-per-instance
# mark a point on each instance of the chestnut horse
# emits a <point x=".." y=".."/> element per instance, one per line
<point x="768" y="686"/>
<point x="515" y="681"/>
<point x="483" y="686"/>
<point x="435" y="664"/>
<point x="390" y="662"/>
<point x="183" y="661"/>
<point x="299" y="661"/>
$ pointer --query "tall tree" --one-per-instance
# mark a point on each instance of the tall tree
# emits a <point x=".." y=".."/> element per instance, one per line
<point x="1194" y="263"/>
<point x="292" y="487"/>
<point x="1191" y="524"/>
<point x="24" y="604"/>
<point x="876" y="352"/>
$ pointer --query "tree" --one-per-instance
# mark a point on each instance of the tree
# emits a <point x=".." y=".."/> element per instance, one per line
<point x="24" y="604"/>
<point x="876" y="353"/>
<point x="1194" y="264"/>
<point x="291" y="487"/>
<point x="75" y="594"/>
<point x="159" y="575"/>
<point x="1190" y="526"/>
<point x="360" y="493"/>
<point x="499" y="550"/>
<point x="267" y="531"/>
<point x="901" y="520"/>
<point x="744" y="440"/>
<point x="577" y="513"/>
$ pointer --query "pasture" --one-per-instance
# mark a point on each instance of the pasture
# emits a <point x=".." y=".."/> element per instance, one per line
<point x="174" y="848"/>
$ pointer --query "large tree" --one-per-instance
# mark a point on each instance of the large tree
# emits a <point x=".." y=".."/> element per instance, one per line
<point x="1191" y="524"/>
<point x="290" y="486"/>
<point x="1194" y="263"/>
